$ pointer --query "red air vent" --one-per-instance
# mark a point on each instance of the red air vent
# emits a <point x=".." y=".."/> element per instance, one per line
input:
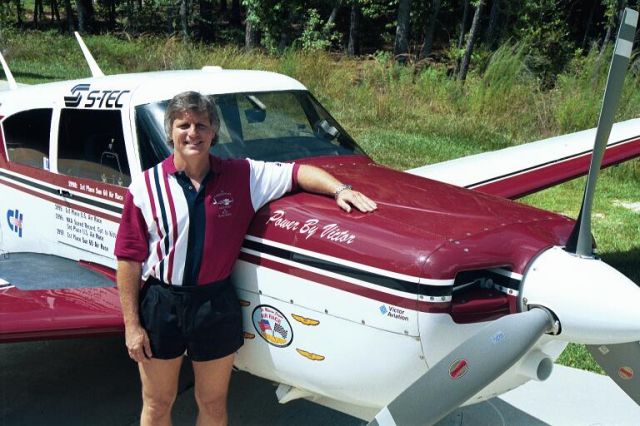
<point x="478" y="305"/>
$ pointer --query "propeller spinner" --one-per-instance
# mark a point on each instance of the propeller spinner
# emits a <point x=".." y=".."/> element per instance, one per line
<point x="563" y="293"/>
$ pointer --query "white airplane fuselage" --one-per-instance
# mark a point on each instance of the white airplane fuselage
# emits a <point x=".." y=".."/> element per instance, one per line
<point x="346" y="310"/>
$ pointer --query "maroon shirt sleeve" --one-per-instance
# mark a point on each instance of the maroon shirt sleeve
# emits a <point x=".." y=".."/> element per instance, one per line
<point x="132" y="241"/>
<point x="294" y="177"/>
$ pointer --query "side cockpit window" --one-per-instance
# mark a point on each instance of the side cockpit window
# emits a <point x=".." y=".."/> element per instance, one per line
<point x="27" y="137"/>
<point x="91" y="145"/>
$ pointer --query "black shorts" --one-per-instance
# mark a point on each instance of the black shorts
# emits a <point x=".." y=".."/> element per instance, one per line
<point x="205" y="321"/>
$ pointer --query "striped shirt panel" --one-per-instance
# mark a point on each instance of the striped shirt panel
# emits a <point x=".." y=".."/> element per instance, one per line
<point x="236" y="190"/>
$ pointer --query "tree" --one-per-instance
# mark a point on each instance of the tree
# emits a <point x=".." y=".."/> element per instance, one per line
<point x="206" y="24"/>
<point x="111" y="14"/>
<point x="401" y="45"/>
<point x="489" y="37"/>
<point x="463" y="23"/>
<point x="430" y="28"/>
<point x="279" y="21"/>
<point x="473" y="35"/>
<point x="18" y="11"/>
<point x="333" y="15"/>
<point x="235" y="13"/>
<point x="68" y="11"/>
<point x="251" y="30"/>
<point x="38" y="12"/>
<point x="614" y="9"/>
<point x="55" y="11"/>
<point x="353" y="46"/>
<point x="594" y="3"/>
<point x="85" y="15"/>
<point x="184" y="18"/>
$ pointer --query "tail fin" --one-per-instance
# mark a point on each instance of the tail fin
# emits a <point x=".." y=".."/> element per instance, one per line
<point x="7" y="72"/>
<point x="93" y="65"/>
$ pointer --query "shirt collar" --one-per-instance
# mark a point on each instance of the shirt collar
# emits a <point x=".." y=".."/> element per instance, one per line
<point x="169" y="167"/>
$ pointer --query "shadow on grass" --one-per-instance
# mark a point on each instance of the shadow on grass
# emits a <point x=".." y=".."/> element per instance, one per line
<point x="627" y="262"/>
<point x="21" y="74"/>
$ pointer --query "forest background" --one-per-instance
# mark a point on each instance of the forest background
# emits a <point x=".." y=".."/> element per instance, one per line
<point x="415" y="82"/>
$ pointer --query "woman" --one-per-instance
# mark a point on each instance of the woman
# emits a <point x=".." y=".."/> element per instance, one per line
<point x="181" y="231"/>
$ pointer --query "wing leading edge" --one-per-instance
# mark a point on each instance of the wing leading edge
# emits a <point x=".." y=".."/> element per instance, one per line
<point x="44" y="296"/>
<point x="524" y="169"/>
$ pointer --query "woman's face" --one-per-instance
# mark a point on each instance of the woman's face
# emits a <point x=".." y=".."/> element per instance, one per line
<point x="192" y="134"/>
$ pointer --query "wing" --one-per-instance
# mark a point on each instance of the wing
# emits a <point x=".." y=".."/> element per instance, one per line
<point x="524" y="169"/>
<point x="45" y="296"/>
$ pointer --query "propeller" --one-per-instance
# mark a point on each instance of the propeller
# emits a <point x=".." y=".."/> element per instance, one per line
<point x="620" y="361"/>
<point x="580" y="241"/>
<point x="622" y="364"/>
<point x="467" y="369"/>
<point x="575" y="313"/>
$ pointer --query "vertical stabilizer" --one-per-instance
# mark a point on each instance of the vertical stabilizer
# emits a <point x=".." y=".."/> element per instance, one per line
<point x="93" y="65"/>
<point x="7" y="72"/>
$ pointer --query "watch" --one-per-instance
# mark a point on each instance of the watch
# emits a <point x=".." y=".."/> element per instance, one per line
<point x="341" y="188"/>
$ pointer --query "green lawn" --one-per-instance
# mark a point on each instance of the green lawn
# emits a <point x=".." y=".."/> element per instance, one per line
<point x="402" y="117"/>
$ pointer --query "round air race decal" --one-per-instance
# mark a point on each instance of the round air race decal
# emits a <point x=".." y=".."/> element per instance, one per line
<point x="272" y="326"/>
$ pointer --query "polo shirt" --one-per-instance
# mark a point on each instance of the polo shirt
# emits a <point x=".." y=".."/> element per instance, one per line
<point x="187" y="237"/>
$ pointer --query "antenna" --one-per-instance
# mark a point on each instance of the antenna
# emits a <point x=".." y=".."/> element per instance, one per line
<point x="7" y="72"/>
<point x="93" y="65"/>
<point x="580" y="241"/>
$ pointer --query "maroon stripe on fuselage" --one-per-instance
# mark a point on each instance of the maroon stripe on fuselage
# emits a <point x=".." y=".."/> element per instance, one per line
<point x="403" y="302"/>
<point x="61" y="202"/>
<point x="535" y="180"/>
<point x="35" y="175"/>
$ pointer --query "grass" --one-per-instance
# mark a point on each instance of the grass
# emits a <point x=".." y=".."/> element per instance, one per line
<point x="404" y="116"/>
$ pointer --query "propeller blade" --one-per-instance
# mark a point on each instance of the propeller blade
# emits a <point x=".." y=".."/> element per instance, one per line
<point x="580" y="241"/>
<point x="467" y="369"/>
<point x="622" y="364"/>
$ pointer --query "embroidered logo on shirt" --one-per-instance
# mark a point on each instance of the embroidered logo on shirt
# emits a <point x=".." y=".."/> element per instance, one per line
<point x="224" y="201"/>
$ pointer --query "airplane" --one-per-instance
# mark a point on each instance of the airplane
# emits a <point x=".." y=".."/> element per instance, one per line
<point x="449" y="294"/>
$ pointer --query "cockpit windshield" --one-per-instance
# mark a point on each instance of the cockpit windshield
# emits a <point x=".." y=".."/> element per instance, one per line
<point x="269" y="126"/>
